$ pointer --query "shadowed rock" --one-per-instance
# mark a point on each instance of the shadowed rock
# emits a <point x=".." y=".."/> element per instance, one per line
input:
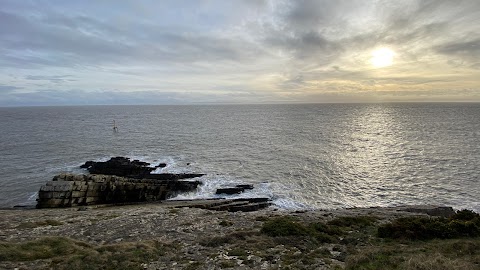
<point x="234" y="190"/>
<point x="122" y="166"/>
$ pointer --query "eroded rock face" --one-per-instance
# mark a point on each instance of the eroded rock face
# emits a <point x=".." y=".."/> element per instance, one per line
<point x="66" y="190"/>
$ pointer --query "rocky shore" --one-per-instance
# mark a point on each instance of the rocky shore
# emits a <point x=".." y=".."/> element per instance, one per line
<point x="120" y="181"/>
<point x="174" y="235"/>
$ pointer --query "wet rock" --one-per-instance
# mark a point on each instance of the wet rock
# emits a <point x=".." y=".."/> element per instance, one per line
<point x="234" y="190"/>
<point x="120" y="166"/>
<point x="87" y="164"/>
<point x="230" y="190"/>
<point x="245" y="186"/>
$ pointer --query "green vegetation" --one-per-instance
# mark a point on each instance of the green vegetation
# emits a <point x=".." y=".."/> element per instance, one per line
<point x="323" y="232"/>
<point x="363" y="249"/>
<point x="461" y="254"/>
<point x="354" y="242"/>
<point x="225" y="223"/>
<point x="354" y="222"/>
<point x="65" y="253"/>
<point x="285" y="226"/>
<point x="464" y="223"/>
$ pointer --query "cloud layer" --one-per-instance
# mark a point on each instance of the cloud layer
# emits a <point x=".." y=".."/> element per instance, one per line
<point x="175" y="52"/>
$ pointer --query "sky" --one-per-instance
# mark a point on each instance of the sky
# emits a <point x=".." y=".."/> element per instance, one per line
<point x="252" y="51"/>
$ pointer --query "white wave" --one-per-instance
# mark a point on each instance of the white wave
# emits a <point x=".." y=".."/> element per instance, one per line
<point x="210" y="184"/>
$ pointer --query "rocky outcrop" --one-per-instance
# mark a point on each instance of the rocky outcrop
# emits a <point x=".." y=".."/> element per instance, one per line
<point x="234" y="190"/>
<point x="122" y="166"/>
<point x="120" y="180"/>
<point x="438" y="211"/>
<point x="66" y="190"/>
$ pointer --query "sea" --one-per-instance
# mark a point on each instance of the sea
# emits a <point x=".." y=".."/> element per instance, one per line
<point x="302" y="156"/>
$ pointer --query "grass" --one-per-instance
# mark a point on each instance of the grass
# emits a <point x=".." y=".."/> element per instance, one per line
<point x="404" y="243"/>
<point x="329" y="232"/>
<point x="354" y="222"/>
<point x="429" y="255"/>
<point x="464" y="223"/>
<point x="65" y="253"/>
<point x="358" y="242"/>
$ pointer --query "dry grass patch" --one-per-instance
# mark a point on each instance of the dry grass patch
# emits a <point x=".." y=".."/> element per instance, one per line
<point x="40" y="223"/>
<point x="65" y="253"/>
<point x="419" y="255"/>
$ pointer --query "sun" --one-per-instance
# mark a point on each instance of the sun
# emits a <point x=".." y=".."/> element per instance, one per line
<point x="382" y="57"/>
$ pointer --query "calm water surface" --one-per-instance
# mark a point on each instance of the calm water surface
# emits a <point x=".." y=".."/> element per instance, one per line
<point x="302" y="156"/>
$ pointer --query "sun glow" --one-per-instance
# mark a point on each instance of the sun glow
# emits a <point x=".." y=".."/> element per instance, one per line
<point x="382" y="57"/>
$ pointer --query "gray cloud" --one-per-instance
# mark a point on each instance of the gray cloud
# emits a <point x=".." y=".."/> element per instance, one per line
<point x="469" y="49"/>
<point x="268" y="46"/>
<point x="48" y="97"/>
<point x="58" y="40"/>
<point x="8" y="88"/>
<point x="50" y="78"/>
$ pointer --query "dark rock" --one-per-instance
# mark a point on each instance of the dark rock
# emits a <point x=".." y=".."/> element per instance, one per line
<point x="254" y="200"/>
<point x="172" y="176"/>
<point x="119" y="166"/>
<point x="161" y="165"/>
<point x="234" y="190"/>
<point x="245" y="186"/>
<point x="122" y="166"/>
<point x="439" y="211"/>
<point x="230" y="190"/>
<point x="87" y="164"/>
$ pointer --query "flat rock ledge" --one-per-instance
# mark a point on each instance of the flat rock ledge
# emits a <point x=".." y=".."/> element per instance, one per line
<point x="67" y="190"/>
<point x="230" y="205"/>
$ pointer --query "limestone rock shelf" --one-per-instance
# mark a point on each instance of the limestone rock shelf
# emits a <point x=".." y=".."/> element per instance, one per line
<point x="67" y="190"/>
<point x="122" y="181"/>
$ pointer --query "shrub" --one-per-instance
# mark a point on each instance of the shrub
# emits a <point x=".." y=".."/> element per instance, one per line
<point x="284" y="226"/>
<point x="288" y="226"/>
<point x="465" y="214"/>
<point x="464" y="223"/>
